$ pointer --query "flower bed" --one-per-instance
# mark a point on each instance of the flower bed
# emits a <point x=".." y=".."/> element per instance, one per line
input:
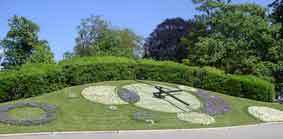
<point x="213" y="105"/>
<point x="102" y="94"/>
<point x="196" y="118"/>
<point x="50" y="114"/>
<point x="266" y="114"/>
<point x="127" y="95"/>
<point x="168" y="104"/>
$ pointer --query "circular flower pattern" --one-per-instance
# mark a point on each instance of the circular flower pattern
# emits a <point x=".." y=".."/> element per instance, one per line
<point x="50" y="114"/>
<point x="266" y="114"/>
<point x="196" y="118"/>
<point x="168" y="104"/>
<point x="104" y="94"/>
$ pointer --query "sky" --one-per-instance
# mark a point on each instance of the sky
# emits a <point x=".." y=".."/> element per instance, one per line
<point x="58" y="19"/>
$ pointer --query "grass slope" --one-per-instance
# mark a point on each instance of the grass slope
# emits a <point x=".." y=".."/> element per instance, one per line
<point x="78" y="114"/>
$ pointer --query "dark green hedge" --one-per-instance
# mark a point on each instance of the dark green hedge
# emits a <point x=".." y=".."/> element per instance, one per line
<point x="33" y="80"/>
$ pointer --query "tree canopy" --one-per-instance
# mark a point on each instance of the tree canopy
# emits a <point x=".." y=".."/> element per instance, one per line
<point x="21" y="43"/>
<point x="42" y="54"/>
<point x="96" y="36"/>
<point x="241" y="36"/>
<point x="209" y="6"/>
<point x="164" y="43"/>
<point x="277" y="14"/>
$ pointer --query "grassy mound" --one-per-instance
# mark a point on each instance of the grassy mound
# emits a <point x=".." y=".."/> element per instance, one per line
<point x="80" y="114"/>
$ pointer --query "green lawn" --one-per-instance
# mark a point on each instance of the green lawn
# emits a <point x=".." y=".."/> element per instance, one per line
<point x="78" y="114"/>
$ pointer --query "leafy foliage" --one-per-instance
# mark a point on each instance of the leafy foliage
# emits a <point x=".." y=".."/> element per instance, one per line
<point x="68" y="55"/>
<point x="30" y="80"/>
<point x="1" y="57"/>
<point x="42" y="54"/>
<point x="241" y="37"/>
<point x="277" y="14"/>
<point x="164" y="42"/>
<point x="238" y="38"/>
<point x="207" y="78"/>
<point x="21" y="42"/>
<point x="92" y="69"/>
<point x="96" y="37"/>
<point x="35" y="79"/>
<point x="208" y="6"/>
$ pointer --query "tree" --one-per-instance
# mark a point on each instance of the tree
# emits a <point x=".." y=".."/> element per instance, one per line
<point x="68" y="55"/>
<point x="241" y="37"/>
<point x="1" y="57"/>
<point x="209" y="6"/>
<point x="199" y="29"/>
<point x="164" y="42"/>
<point x="20" y="42"/>
<point x="98" y="37"/>
<point x="277" y="14"/>
<point x="42" y="54"/>
<point x="89" y="32"/>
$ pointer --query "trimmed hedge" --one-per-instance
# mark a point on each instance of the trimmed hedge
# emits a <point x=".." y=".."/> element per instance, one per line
<point x="207" y="78"/>
<point x="93" y="69"/>
<point x="33" y="80"/>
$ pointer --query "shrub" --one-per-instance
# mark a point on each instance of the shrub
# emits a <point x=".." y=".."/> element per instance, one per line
<point x="207" y="78"/>
<point x="30" y="80"/>
<point x="93" y="69"/>
<point x="249" y="87"/>
<point x="33" y="80"/>
<point x="161" y="71"/>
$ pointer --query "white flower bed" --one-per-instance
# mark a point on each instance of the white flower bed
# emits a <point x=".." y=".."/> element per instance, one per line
<point x="196" y="118"/>
<point x="266" y="114"/>
<point x="169" y="104"/>
<point x="102" y="94"/>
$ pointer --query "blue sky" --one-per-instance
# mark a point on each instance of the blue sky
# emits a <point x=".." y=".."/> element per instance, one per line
<point x="58" y="19"/>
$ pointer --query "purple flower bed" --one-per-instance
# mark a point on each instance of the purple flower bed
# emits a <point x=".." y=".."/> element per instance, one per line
<point x="213" y="105"/>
